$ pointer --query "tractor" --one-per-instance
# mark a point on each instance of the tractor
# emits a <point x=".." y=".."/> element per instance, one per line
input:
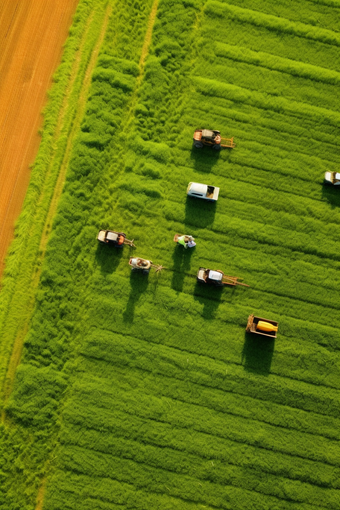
<point x="143" y="265"/>
<point x="112" y="238"/>
<point x="212" y="138"/>
<point x="185" y="240"/>
<point x="217" y="278"/>
<point x="198" y="190"/>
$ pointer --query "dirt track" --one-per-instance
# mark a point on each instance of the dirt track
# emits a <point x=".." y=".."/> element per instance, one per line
<point x="32" y="33"/>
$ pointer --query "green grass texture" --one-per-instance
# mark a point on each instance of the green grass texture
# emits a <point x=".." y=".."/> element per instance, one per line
<point x="145" y="392"/>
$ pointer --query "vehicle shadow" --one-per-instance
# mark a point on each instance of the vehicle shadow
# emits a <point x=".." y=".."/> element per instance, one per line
<point x="108" y="257"/>
<point x="210" y="297"/>
<point x="138" y="283"/>
<point x="204" y="159"/>
<point x="199" y="213"/>
<point x="331" y="194"/>
<point x="181" y="257"/>
<point x="257" y="353"/>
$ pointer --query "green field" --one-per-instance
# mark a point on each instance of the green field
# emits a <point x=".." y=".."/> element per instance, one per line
<point x="145" y="392"/>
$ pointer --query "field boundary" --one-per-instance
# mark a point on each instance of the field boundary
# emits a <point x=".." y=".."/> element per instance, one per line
<point x="67" y="123"/>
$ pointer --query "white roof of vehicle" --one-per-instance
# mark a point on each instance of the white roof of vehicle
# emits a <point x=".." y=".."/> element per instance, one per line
<point x="112" y="236"/>
<point x="101" y="235"/>
<point x="215" y="275"/>
<point x="198" y="188"/>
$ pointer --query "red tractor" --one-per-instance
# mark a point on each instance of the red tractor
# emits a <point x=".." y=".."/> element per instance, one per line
<point x="212" y="138"/>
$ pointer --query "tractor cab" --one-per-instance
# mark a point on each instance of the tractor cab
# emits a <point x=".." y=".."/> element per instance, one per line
<point x="214" y="277"/>
<point x="209" y="135"/>
<point x="210" y="276"/>
<point x="114" y="237"/>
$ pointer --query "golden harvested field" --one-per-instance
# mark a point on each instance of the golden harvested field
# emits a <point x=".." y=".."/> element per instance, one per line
<point x="32" y="35"/>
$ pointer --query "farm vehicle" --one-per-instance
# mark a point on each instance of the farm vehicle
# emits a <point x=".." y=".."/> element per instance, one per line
<point x="112" y="238"/>
<point x="217" y="278"/>
<point x="212" y="138"/>
<point x="204" y="191"/>
<point x="185" y="240"/>
<point x="332" y="178"/>
<point x="261" y="326"/>
<point x="143" y="265"/>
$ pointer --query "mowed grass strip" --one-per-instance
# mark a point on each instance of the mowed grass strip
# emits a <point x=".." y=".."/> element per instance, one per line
<point x="152" y="470"/>
<point x="101" y="425"/>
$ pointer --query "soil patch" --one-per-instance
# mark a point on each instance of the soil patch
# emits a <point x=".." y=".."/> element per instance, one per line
<point x="32" y="34"/>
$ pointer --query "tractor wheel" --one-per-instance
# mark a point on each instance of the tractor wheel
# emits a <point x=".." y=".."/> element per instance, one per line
<point x="198" y="145"/>
<point x="217" y="147"/>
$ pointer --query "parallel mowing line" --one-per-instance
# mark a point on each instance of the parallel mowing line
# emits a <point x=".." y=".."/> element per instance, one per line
<point x="127" y="428"/>
<point x="142" y="494"/>
<point x="288" y="299"/>
<point x="156" y="465"/>
<point x="277" y="24"/>
<point x="276" y="63"/>
<point x="264" y="101"/>
<point x="198" y="499"/>
<point x="226" y="436"/>
<point x="154" y="213"/>
<point x="131" y="432"/>
<point x="265" y="185"/>
<point x="210" y="386"/>
<point x="197" y="385"/>
<point x="294" y="245"/>
<point x="121" y="430"/>
<point x="230" y="363"/>
<point x="292" y="130"/>
<point x="262" y="207"/>
<point x="225" y="391"/>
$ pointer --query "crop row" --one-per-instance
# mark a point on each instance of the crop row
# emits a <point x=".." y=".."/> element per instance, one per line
<point x="202" y="445"/>
<point x="276" y="36"/>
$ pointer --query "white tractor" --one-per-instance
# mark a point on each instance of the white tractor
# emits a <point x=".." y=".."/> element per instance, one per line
<point x="332" y="178"/>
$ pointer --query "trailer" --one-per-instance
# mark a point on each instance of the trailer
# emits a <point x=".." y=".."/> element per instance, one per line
<point x="261" y="326"/>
